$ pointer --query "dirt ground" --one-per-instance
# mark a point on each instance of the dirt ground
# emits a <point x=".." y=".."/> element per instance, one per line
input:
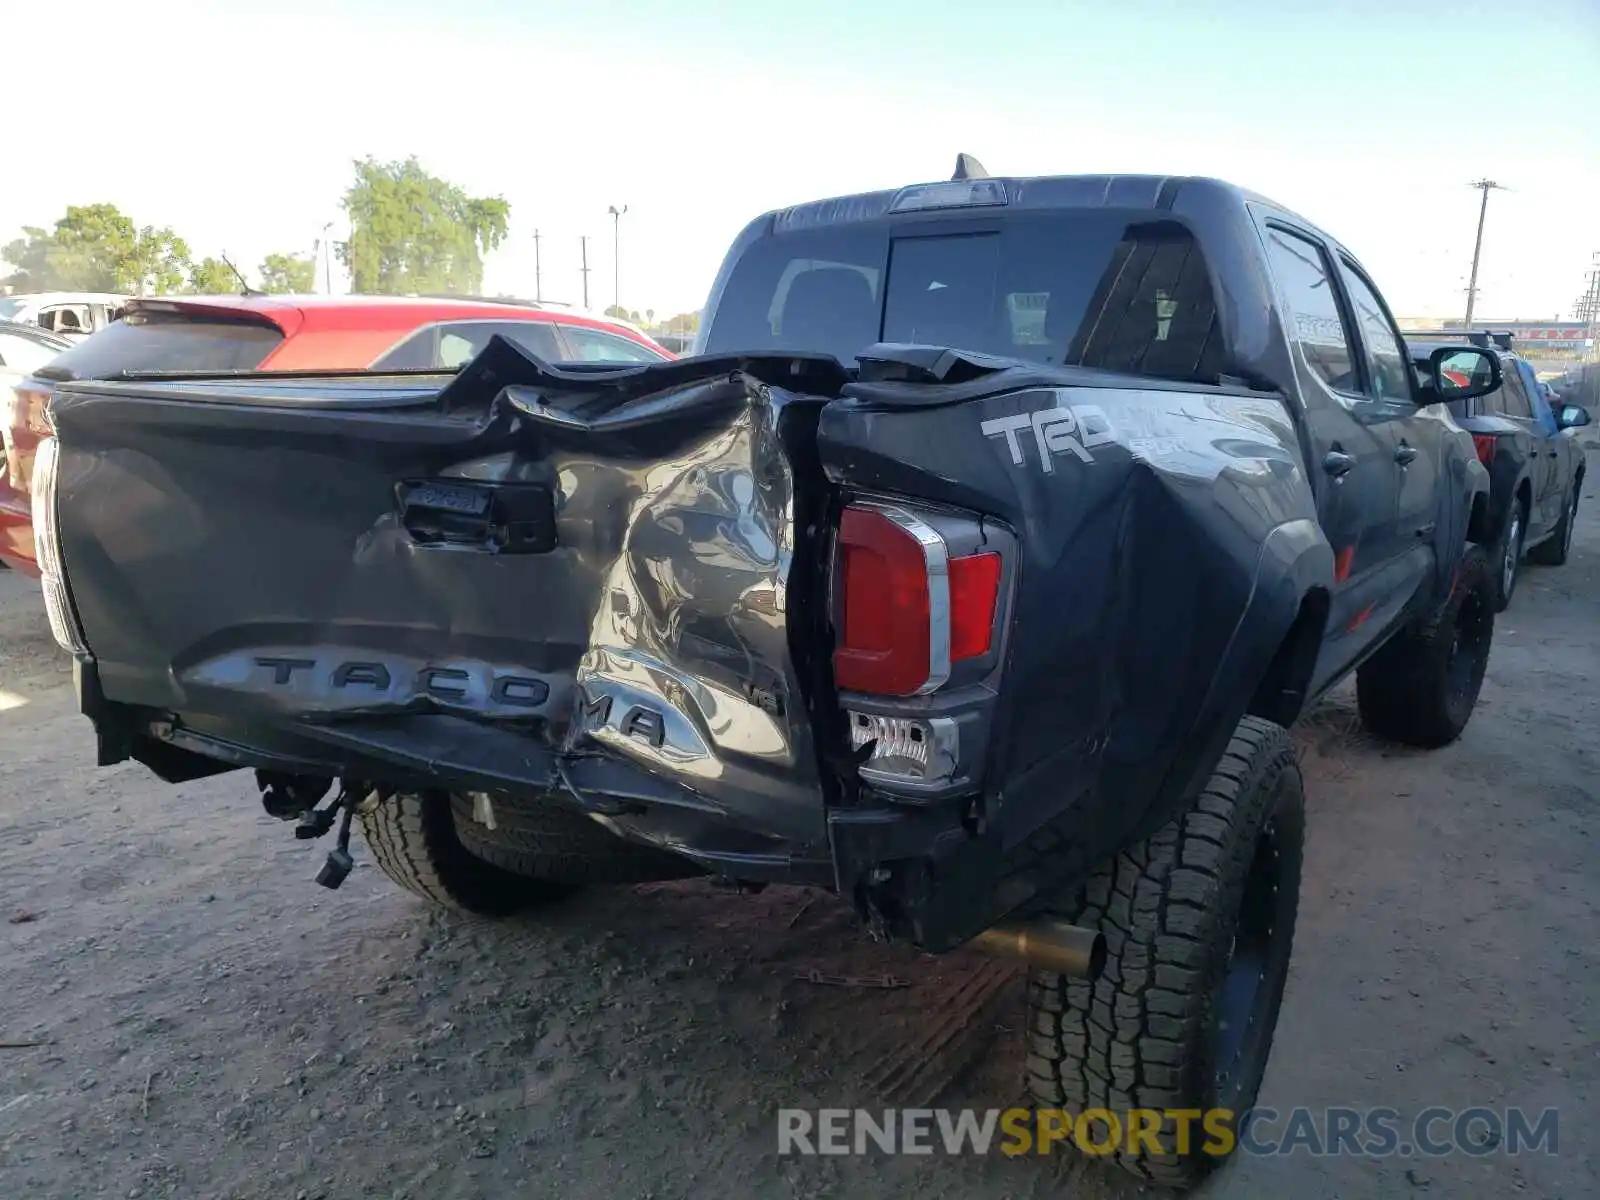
<point x="211" y="1024"/>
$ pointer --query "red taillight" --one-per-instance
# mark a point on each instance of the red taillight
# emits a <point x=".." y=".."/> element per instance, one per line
<point x="907" y="610"/>
<point x="1483" y="443"/>
<point x="974" y="589"/>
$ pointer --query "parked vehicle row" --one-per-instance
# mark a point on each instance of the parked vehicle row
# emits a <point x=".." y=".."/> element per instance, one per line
<point x="280" y="333"/>
<point x="974" y="570"/>
<point x="73" y="315"/>
<point x="1536" y="465"/>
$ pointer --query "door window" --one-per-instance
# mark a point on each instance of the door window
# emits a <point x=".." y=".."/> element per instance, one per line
<point x="452" y="344"/>
<point x="1512" y="398"/>
<point x="66" y="318"/>
<point x="1301" y="270"/>
<point x="1386" y="360"/>
<point x="592" y="345"/>
<point x="1542" y="412"/>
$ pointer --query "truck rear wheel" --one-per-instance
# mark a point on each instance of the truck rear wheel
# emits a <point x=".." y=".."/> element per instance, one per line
<point x="1422" y="686"/>
<point x="413" y="839"/>
<point x="1508" y="555"/>
<point x="545" y="839"/>
<point x="1199" y="923"/>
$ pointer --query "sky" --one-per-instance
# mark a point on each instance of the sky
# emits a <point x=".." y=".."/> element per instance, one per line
<point x="237" y="124"/>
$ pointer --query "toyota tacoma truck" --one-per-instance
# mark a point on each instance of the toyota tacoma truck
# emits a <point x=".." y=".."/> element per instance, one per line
<point x="973" y="568"/>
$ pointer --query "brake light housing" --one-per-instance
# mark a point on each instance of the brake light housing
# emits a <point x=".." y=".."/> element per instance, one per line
<point x="921" y="600"/>
<point x="1483" y="443"/>
<point x="913" y="600"/>
<point x="47" y="546"/>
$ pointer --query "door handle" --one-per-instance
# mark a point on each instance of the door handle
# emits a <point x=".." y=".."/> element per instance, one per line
<point x="1337" y="463"/>
<point x="1405" y="455"/>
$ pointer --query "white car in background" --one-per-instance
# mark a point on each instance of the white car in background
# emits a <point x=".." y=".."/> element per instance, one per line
<point x="68" y="314"/>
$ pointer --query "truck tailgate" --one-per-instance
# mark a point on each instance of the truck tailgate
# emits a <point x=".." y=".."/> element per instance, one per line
<point x="531" y="554"/>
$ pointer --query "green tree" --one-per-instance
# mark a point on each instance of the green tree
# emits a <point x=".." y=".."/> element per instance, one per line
<point x="159" y="262"/>
<point x="95" y="248"/>
<point x="683" y="323"/>
<point x="212" y="277"/>
<point x="414" y="232"/>
<point x="29" y="259"/>
<point x="288" y="273"/>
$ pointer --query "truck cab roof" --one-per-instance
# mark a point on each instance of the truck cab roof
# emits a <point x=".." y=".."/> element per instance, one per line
<point x="1153" y="275"/>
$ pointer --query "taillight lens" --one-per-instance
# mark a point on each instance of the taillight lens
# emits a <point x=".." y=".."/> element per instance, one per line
<point x="974" y="591"/>
<point x="907" y="609"/>
<point x="47" y="548"/>
<point x="1483" y="443"/>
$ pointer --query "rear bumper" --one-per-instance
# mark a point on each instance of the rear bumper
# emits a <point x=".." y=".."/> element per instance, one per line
<point x="753" y="844"/>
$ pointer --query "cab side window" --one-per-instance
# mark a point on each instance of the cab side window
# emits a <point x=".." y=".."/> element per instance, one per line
<point x="1512" y="398"/>
<point x="1306" y="284"/>
<point x="1390" y="377"/>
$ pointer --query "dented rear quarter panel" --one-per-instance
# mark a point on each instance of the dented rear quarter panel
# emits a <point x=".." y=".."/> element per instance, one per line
<point x="1167" y="534"/>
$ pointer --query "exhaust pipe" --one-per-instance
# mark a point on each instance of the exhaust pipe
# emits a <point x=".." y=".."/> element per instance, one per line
<point x="1050" y="944"/>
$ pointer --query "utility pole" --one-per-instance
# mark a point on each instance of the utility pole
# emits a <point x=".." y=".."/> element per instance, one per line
<point x="616" y="253"/>
<point x="327" y="261"/>
<point x="1587" y="310"/>
<point x="538" y="286"/>
<point x="584" y="243"/>
<point x="1485" y="186"/>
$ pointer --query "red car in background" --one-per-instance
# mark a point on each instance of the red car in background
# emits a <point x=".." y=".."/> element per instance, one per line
<point x="286" y="333"/>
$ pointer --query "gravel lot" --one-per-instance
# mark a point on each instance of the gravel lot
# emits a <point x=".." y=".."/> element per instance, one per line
<point x="211" y="1024"/>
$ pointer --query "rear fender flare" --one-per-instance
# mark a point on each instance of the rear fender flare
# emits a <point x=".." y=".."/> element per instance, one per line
<point x="1280" y="629"/>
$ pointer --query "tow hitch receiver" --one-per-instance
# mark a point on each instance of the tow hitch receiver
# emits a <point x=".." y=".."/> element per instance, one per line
<point x="1050" y="944"/>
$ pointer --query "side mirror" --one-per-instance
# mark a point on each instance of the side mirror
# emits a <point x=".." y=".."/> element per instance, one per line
<point x="1462" y="372"/>
<point x="1572" y="416"/>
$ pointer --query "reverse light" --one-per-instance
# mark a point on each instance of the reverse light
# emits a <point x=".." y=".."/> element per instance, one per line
<point x="906" y="749"/>
<point x="1483" y="443"/>
<point x="907" y="610"/>
<point x="47" y="550"/>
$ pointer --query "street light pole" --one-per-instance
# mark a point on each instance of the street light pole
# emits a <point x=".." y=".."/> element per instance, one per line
<point x="538" y="284"/>
<point x="1485" y="186"/>
<point x="616" y="253"/>
<point x="583" y="244"/>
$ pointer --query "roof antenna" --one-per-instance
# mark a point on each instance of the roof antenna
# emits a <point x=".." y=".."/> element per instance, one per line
<point x="244" y="285"/>
<point x="968" y="167"/>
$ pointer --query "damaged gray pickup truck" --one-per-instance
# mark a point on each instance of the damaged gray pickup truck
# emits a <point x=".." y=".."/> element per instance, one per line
<point x="973" y="569"/>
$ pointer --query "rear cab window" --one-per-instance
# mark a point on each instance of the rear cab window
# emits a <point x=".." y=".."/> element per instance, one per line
<point x="1098" y="288"/>
<point x="167" y="341"/>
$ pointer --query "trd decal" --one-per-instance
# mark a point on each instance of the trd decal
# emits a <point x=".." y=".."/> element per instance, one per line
<point x="1074" y="429"/>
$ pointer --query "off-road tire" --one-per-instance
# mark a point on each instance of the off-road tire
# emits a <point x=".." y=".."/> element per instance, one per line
<point x="1507" y="558"/>
<point x="1557" y="548"/>
<point x="1422" y="686"/>
<point x="1146" y="1033"/>
<point x="413" y="840"/>
<point x="545" y="839"/>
